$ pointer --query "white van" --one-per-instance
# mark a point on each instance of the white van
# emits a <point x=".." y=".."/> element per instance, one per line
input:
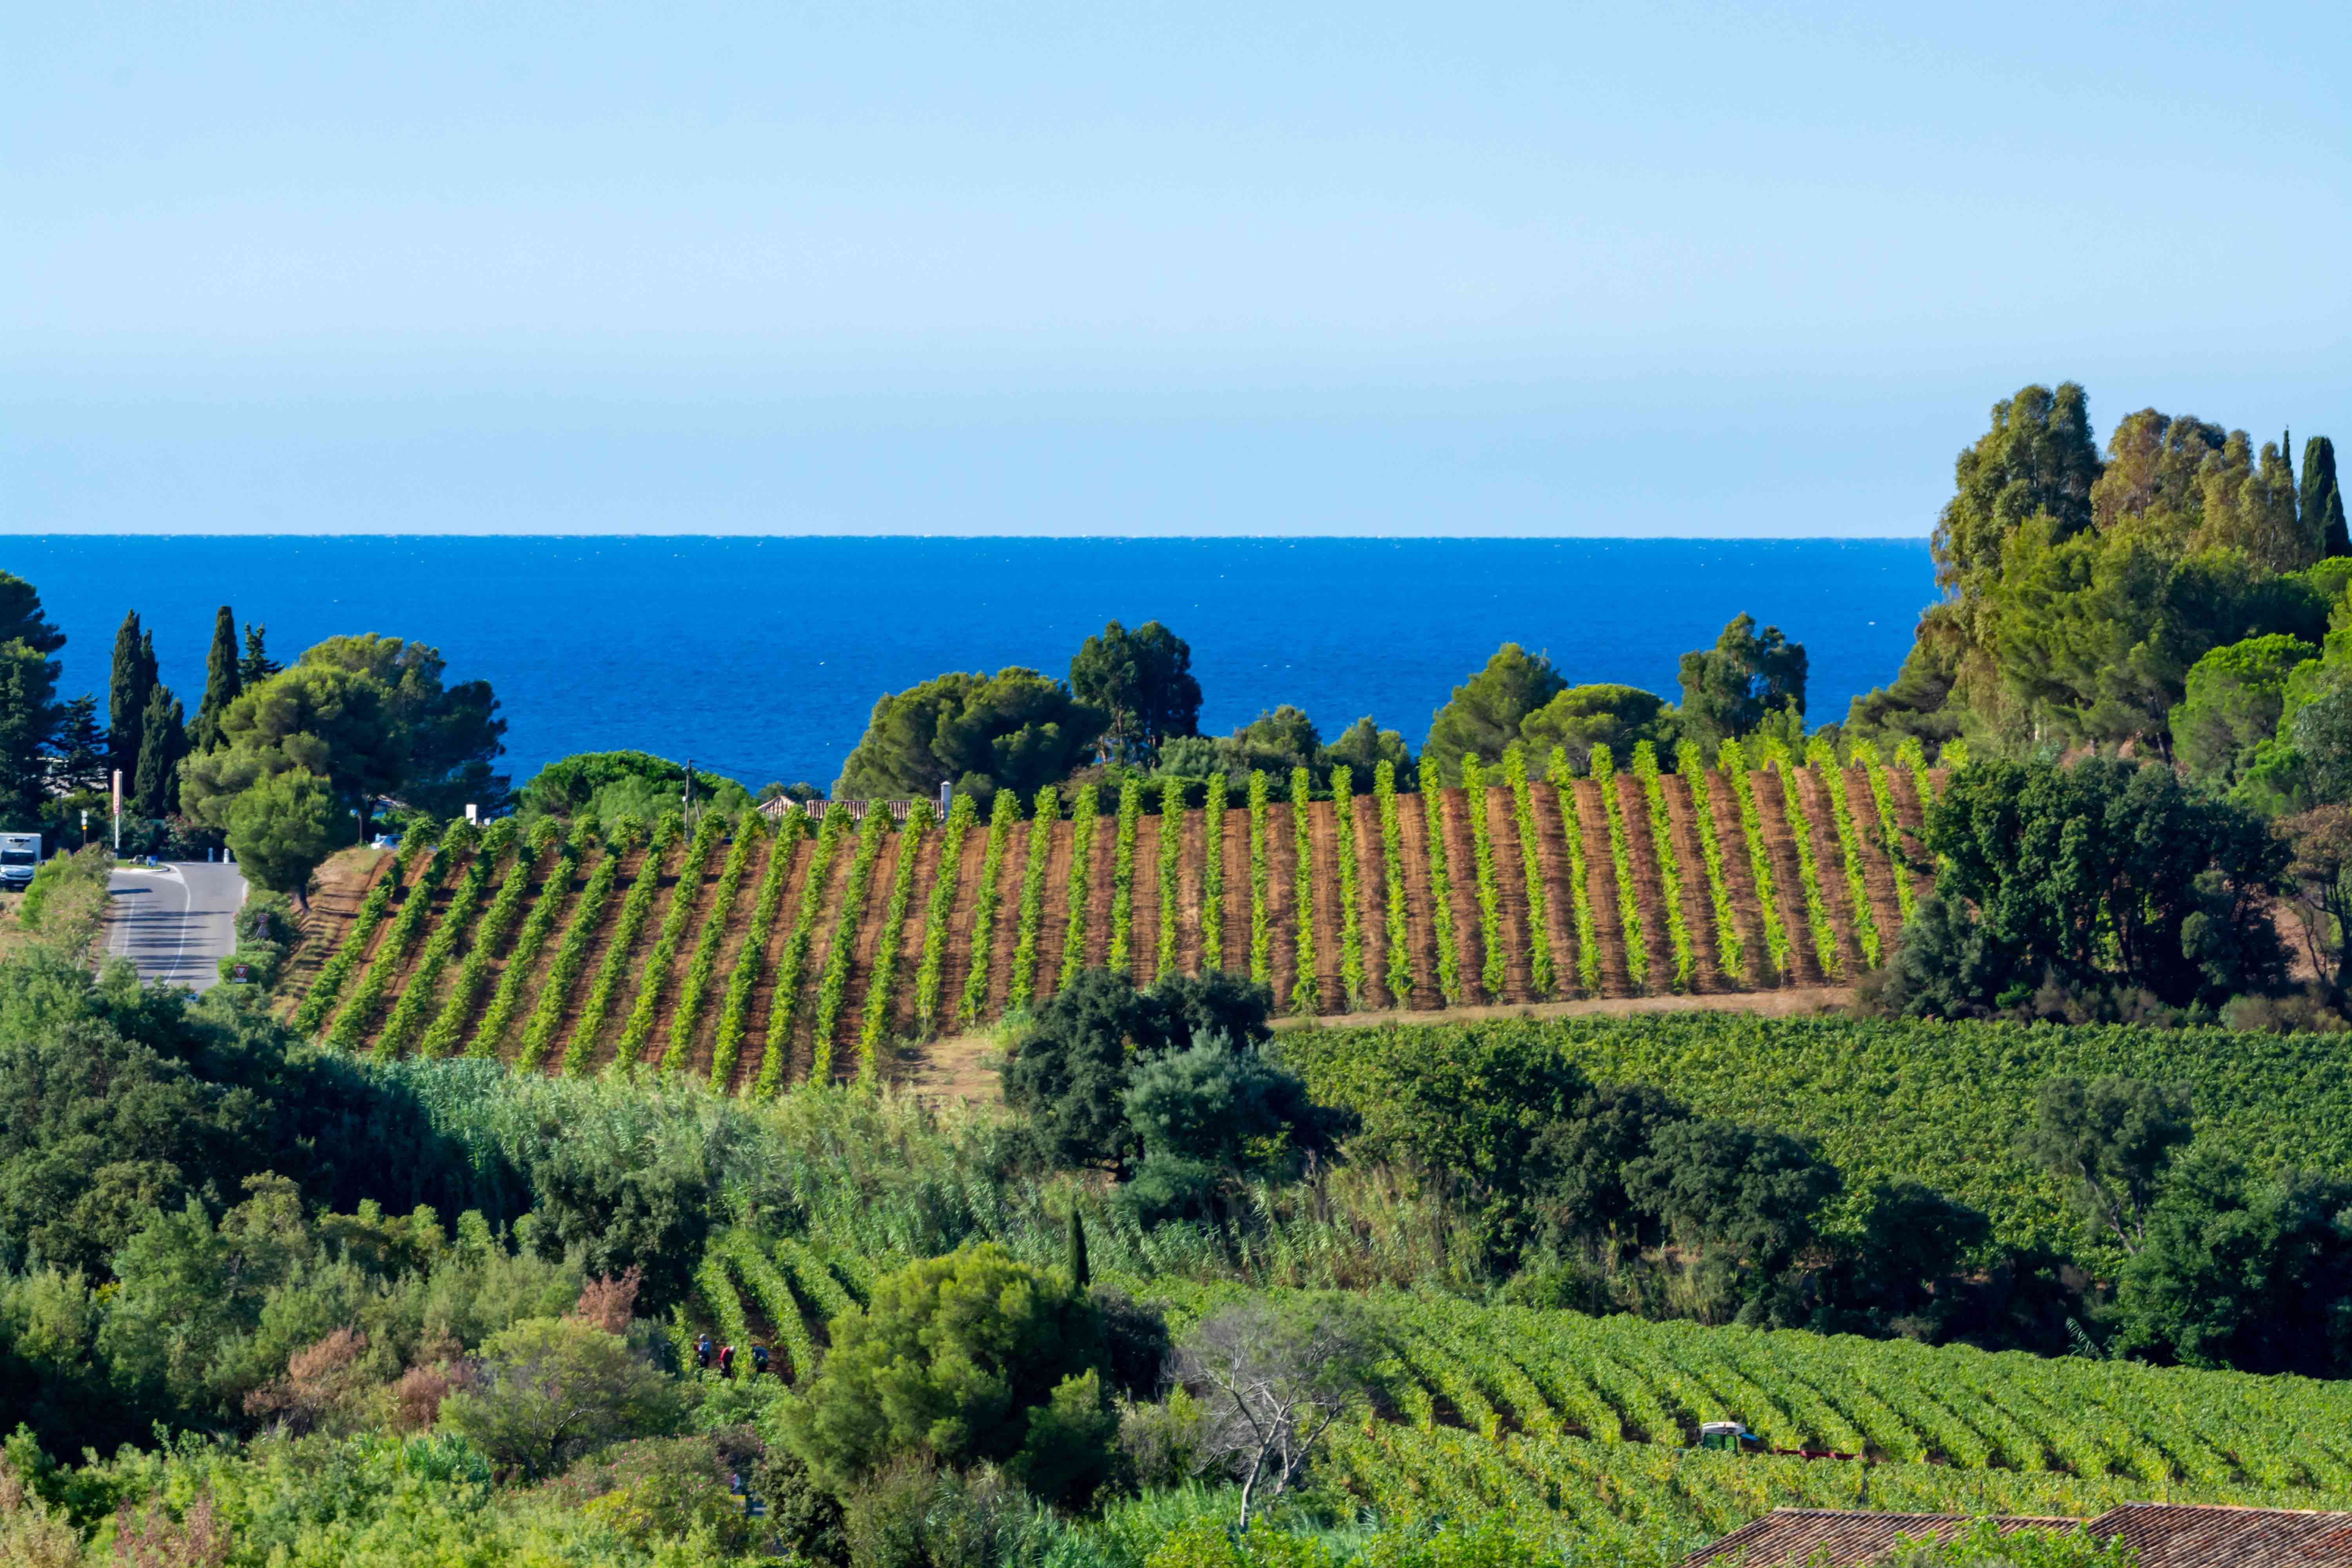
<point x="20" y="856"/>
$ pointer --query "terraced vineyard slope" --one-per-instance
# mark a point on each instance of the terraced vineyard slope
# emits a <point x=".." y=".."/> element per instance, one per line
<point x="758" y="957"/>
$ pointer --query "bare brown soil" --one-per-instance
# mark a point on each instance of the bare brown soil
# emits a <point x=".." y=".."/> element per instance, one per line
<point x="1649" y="889"/>
<point x="1054" y="921"/>
<point x="597" y="945"/>
<point x="1101" y="868"/>
<point x="1600" y="873"/>
<point x="337" y="891"/>
<point x="1237" y="888"/>
<point x="1739" y="879"/>
<point x="1281" y="903"/>
<point x="1699" y="902"/>
<point x="910" y="946"/>
<point x="1372" y="899"/>
<point x="1559" y="888"/>
<point x="955" y="966"/>
<point x="1421" y="932"/>
<point x="1511" y="897"/>
<point x="1192" y="942"/>
<point x="1007" y="935"/>
<point x="1829" y="863"/>
<point x="1323" y="858"/>
<point x="828" y="932"/>
<point x="1788" y="881"/>
<point x="1461" y="854"/>
<point x="754" y="1050"/>
<point x="1143" y="925"/>
<point x="1788" y="1003"/>
<point x="1877" y="870"/>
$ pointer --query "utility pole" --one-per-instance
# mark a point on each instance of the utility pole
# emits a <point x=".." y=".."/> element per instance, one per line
<point x="685" y="807"/>
<point x="118" y="811"/>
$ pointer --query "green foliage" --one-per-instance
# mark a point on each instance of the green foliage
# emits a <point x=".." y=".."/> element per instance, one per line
<point x="1352" y="906"/>
<point x="1799" y="822"/>
<point x="930" y="974"/>
<point x="417" y="997"/>
<point x="1729" y="689"/>
<point x="1492" y="970"/>
<point x="1399" y="944"/>
<point x="1731" y="950"/>
<point x="552" y="1389"/>
<point x="1213" y="877"/>
<point x="833" y="987"/>
<point x="327" y="985"/>
<point x="1441" y="880"/>
<point x="1261" y="946"/>
<point x="1485" y="714"/>
<point x="564" y="970"/>
<point x="1823" y="761"/>
<point x="1662" y="851"/>
<point x="1583" y="717"/>
<point x="1890" y="826"/>
<point x="1044" y="815"/>
<point x="1541" y="974"/>
<point x="743" y="980"/>
<point x="1588" y="934"/>
<point x="2105" y="874"/>
<point x="2234" y="697"/>
<point x="1122" y="874"/>
<point x="882" y="985"/>
<point x="1015" y="731"/>
<point x="358" y="1019"/>
<point x="652" y="976"/>
<point x="442" y="1036"/>
<point x="1082" y="852"/>
<point x="694" y="991"/>
<point x="609" y="785"/>
<point x="1621" y="859"/>
<point x="776" y="1054"/>
<point x="1141" y="681"/>
<point x="964" y="1359"/>
<point x="283" y="829"/>
<point x="1171" y="850"/>
<point x="1304" y="983"/>
<point x="983" y="944"/>
<point x="1733" y="762"/>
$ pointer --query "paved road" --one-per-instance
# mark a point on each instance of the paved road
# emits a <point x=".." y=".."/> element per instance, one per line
<point x="175" y="922"/>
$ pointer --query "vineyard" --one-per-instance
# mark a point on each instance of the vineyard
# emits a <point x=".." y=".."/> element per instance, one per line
<point x="763" y="953"/>
<point x="1585" y="1428"/>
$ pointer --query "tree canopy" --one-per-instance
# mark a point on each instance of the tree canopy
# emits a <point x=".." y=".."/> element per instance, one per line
<point x="1729" y="689"/>
<point x="1483" y="717"/>
<point x="1015" y="730"/>
<point x="1141" y="681"/>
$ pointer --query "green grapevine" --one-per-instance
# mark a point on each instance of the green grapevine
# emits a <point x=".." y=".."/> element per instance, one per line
<point x="930" y="973"/>
<point x="1082" y="852"/>
<point x="1587" y="933"/>
<point x="1441" y="883"/>
<point x="1621" y="859"/>
<point x="684" y="895"/>
<point x="1662" y="850"/>
<point x="1808" y="876"/>
<point x="1171" y="861"/>
<point x="1042" y="822"/>
<point x="882" y="987"/>
<point x="1730" y="952"/>
<point x="1261" y="922"/>
<point x="694" y="993"/>
<point x="1304" y="983"/>
<point x="416" y="998"/>
<point x="1212" y="877"/>
<point x="1542" y="974"/>
<point x="1492" y="970"/>
<point x="1000" y="818"/>
<point x="359" y="1017"/>
<point x="571" y="956"/>
<point x="1351" y="917"/>
<point x="1400" y="954"/>
<point x="776" y="1054"/>
<point x="1890" y="826"/>
<point x="636" y="910"/>
<point x="832" y="986"/>
<point x="1122" y="876"/>
<point x="743" y="980"/>
<point x="1731" y="760"/>
<point x="1831" y="778"/>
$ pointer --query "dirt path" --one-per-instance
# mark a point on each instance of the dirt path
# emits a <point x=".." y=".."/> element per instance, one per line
<point x="1054" y="919"/>
<point x="1420" y="931"/>
<point x="910" y="951"/>
<point x="1281" y="903"/>
<point x="1323" y="857"/>
<point x="1237" y="888"/>
<point x="1192" y="940"/>
<point x="1559" y="887"/>
<point x="1511" y="897"/>
<point x="1469" y="944"/>
<point x="1878" y="871"/>
<point x="1829" y="863"/>
<point x="1371" y="897"/>
<point x="1788" y="881"/>
<point x="1739" y="880"/>
<point x="1143" y="926"/>
<point x="1649" y="888"/>
<point x="956" y="963"/>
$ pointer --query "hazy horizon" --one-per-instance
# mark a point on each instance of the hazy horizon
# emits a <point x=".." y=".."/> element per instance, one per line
<point x="1701" y="271"/>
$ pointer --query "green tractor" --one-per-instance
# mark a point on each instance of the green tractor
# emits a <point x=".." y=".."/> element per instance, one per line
<point x="1729" y="1436"/>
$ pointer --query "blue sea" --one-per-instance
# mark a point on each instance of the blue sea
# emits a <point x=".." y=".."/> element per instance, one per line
<point x="763" y="658"/>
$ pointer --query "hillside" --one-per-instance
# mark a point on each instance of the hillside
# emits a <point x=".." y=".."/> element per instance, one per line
<point x="803" y="952"/>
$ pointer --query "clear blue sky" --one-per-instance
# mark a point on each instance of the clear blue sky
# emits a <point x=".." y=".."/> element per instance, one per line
<point x="895" y="267"/>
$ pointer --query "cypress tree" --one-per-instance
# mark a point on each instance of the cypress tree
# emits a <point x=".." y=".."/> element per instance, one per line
<point x="133" y="679"/>
<point x="2323" y="498"/>
<point x="163" y="742"/>
<point x="1079" y="1273"/>
<point x="222" y="682"/>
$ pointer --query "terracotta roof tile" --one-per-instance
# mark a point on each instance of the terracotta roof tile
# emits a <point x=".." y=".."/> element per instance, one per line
<point x="1839" y="1538"/>
<point x="2183" y="1535"/>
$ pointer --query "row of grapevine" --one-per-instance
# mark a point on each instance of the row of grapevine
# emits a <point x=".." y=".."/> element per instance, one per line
<point x="1588" y="927"/>
<point x="1831" y="778"/>
<point x="777" y="1053"/>
<point x="1351" y="917"/>
<point x="571" y="956"/>
<point x="441" y="1037"/>
<point x="1261" y="945"/>
<point x="1441" y="886"/>
<point x="1808" y="874"/>
<point x="652" y="979"/>
<point x="1732" y="764"/>
<point x="1489" y="883"/>
<point x="1304" y="990"/>
<point x="832" y="986"/>
<point x="882" y="985"/>
<point x="357" y="1018"/>
<point x="327" y="986"/>
<point x="1002" y="819"/>
<point x="1032" y="916"/>
<point x="686" y="1018"/>
<point x="1542" y="977"/>
<point x="931" y="972"/>
<point x="418" y="997"/>
<point x="743" y="980"/>
<point x="1171" y="854"/>
<point x="1400" y="951"/>
<point x="1730" y="949"/>
<point x="1082" y="850"/>
<point x="1212" y="877"/>
<point x="1122" y="876"/>
<point x="637" y="909"/>
<point x="1662" y="852"/>
<point x="1621" y="859"/>
<point x="1890" y="826"/>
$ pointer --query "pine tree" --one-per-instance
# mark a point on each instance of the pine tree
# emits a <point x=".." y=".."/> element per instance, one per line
<point x="256" y="666"/>
<point x="222" y="683"/>
<point x="2323" y="498"/>
<point x="134" y="681"/>
<point x="80" y="745"/>
<point x="163" y="742"/>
